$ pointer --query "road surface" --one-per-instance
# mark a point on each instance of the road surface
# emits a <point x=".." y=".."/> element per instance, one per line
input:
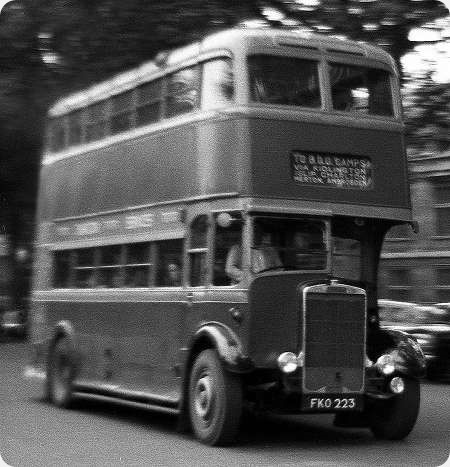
<point x="36" y="434"/>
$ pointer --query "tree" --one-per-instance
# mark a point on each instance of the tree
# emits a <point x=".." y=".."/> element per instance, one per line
<point x="383" y="22"/>
<point x="427" y="105"/>
<point x="52" y="47"/>
<point x="80" y="34"/>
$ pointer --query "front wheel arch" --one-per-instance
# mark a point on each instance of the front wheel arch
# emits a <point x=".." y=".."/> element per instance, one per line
<point x="223" y="340"/>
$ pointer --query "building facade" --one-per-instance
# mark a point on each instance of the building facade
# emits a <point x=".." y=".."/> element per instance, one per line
<point x="416" y="266"/>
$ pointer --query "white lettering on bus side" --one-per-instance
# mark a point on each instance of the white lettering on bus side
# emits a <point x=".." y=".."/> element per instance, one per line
<point x="139" y="221"/>
<point x="111" y="224"/>
<point x="170" y="216"/>
<point x="87" y="228"/>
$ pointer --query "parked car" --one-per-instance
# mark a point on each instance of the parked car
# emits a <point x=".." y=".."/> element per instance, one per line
<point x="430" y="325"/>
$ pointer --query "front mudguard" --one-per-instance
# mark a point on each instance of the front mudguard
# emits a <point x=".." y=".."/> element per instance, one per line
<point x="408" y="356"/>
<point x="229" y="349"/>
<point x="227" y="345"/>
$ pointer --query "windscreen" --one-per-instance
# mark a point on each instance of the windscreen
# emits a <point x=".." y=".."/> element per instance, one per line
<point x="288" y="244"/>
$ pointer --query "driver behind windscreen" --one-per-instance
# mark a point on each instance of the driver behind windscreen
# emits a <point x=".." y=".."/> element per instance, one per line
<point x="264" y="256"/>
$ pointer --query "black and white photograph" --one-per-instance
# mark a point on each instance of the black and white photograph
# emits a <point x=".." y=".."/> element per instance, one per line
<point x="224" y="233"/>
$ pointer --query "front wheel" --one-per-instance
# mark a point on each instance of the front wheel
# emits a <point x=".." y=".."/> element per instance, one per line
<point x="394" y="418"/>
<point x="215" y="400"/>
<point x="60" y="373"/>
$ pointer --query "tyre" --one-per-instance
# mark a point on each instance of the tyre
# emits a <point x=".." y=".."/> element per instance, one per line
<point x="60" y="373"/>
<point x="215" y="400"/>
<point x="395" y="418"/>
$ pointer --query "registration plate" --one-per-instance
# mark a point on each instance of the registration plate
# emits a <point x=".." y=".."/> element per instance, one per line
<point x="330" y="402"/>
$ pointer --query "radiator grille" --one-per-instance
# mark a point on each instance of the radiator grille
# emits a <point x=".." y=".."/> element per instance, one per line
<point x="334" y="341"/>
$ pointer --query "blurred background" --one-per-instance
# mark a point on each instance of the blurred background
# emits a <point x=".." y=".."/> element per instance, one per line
<point x="49" y="48"/>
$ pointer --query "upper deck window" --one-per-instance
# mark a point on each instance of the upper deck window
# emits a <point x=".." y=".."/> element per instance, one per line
<point x="217" y="83"/>
<point x="182" y="91"/>
<point x="149" y="102"/>
<point x="284" y="81"/>
<point x="122" y="112"/>
<point x="97" y="121"/>
<point x="360" y="89"/>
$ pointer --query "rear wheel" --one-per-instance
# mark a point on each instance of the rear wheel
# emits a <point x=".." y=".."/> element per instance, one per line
<point x="395" y="418"/>
<point x="215" y="400"/>
<point x="60" y="373"/>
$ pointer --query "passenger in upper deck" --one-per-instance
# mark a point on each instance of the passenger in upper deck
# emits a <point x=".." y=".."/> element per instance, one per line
<point x="342" y="99"/>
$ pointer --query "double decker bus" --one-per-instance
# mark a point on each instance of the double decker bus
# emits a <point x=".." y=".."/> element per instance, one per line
<point x="209" y="231"/>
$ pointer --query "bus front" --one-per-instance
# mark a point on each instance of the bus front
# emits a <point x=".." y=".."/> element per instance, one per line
<point x="325" y="178"/>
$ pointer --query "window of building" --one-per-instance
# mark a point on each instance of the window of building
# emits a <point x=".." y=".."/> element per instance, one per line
<point x="399" y="284"/>
<point x="442" y="220"/>
<point x="442" y="192"/>
<point x="399" y="277"/>
<point x="441" y="195"/>
<point x="217" y="83"/>
<point x="182" y="91"/>
<point x="443" y="276"/>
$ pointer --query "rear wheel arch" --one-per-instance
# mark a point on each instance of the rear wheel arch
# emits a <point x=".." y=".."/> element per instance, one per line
<point x="62" y="342"/>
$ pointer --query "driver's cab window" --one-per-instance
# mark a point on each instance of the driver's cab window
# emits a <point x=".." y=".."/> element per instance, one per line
<point x="289" y="244"/>
<point x="227" y="269"/>
<point x="198" y="251"/>
<point x="265" y="254"/>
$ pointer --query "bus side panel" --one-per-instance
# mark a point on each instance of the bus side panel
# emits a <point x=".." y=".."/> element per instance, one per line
<point x="224" y="152"/>
<point x="149" y="344"/>
<point x="201" y="158"/>
<point x="218" y="306"/>
<point x="133" y="343"/>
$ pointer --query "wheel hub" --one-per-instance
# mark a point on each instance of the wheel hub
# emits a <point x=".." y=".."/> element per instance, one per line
<point x="204" y="397"/>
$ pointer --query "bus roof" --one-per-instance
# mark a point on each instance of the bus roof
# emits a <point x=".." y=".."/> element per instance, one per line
<point x="232" y="40"/>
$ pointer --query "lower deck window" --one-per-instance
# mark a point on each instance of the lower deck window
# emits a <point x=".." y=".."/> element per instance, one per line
<point x="141" y="264"/>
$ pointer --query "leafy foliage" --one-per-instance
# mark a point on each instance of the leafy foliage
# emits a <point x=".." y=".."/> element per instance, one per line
<point x="51" y="47"/>
<point x="427" y="113"/>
